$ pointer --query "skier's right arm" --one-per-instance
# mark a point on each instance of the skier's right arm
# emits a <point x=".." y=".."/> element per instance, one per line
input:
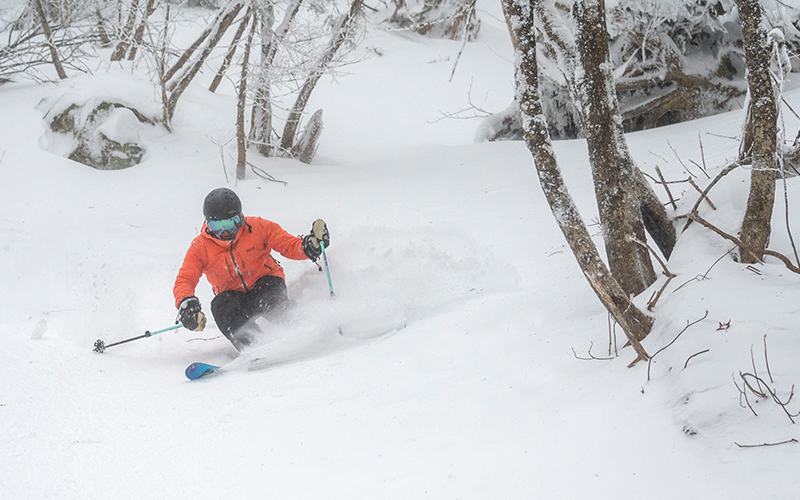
<point x="189" y="309"/>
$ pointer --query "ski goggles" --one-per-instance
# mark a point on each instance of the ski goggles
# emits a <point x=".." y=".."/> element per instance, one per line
<point x="225" y="227"/>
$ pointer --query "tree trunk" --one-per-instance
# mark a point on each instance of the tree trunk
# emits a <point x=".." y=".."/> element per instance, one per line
<point x="557" y="36"/>
<point x="261" y="114"/>
<point x="181" y="81"/>
<point x="306" y="147"/>
<point x="633" y="321"/>
<point x="211" y="36"/>
<point x="261" y="121"/>
<point x="37" y="4"/>
<point x="231" y="52"/>
<point x="293" y="121"/>
<point x="127" y="33"/>
<point x="241" y="138"/>
<point x="619" y="211"/>
<point x="762" y="122"/>
<point x="139" y="35"/>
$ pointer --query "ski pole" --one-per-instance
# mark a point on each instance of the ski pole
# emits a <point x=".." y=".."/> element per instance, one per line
<point x="100" y="346"/>
<point x="327" y="271"/>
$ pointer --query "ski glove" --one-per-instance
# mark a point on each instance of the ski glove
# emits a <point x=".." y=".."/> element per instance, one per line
<point x="319" y="232"/>
<point x="191" y="315"/>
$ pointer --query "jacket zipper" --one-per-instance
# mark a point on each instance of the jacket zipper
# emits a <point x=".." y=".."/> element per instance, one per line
<point x="238" y="271"/>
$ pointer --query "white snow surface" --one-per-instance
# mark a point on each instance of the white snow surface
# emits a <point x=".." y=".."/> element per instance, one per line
<point x="458" y="301"/>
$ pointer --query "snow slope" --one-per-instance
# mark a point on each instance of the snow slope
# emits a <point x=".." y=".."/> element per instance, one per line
<point x="458" y="302"/>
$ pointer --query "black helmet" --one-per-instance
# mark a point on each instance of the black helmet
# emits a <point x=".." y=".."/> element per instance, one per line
<point x="221" y="203"/>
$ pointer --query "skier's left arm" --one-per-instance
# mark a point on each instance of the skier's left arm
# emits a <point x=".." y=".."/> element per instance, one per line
<point x="300" y="248"/>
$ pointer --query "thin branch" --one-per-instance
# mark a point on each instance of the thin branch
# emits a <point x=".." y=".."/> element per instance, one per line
<point x="679" y="159"/>
<point x="612" y="335"/>
<point x="591" y="357"/>
<point x="769" y="392"/>
<point x="743" y="394"/>
<point x="702" y="194"/>
<point x="37" y="4"/>
<point x="763" y="389"/>
<point x="264" y="175"/>
<point x="790" y="108"/>
<point x="666" y="272"/>
<point x="467" y="15"/>
<point x="793" y="440"/>
<point x="693" y="355"/>
<point x="653" y="252"/>
<point x="650" y="361"/>
<point x="702" y="154"/>
<point x="786" y="215"/>
<point x="757" y="377"/>
<point x="476" y="111"/>
<point x="651" y="304"/>
<point x="719" y="176"/>
<point x="221" y="154"/>
<point x="669" y="193"/>
<point x="788" y="263"/>
<point x="705" y="276"/>
<point x="766" y="359"/>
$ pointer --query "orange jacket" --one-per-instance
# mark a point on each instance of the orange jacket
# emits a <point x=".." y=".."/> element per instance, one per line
<point x="239" y="263"/>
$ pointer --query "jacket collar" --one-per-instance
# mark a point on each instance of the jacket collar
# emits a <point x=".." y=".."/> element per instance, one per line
<point x="223" y="243"/>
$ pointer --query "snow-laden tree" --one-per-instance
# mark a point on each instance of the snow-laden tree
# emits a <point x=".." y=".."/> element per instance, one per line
<point x="452" y="19"/>
<point x="37" y="34"/>
<point x="672" y="60"/>
<point x="273" y="52"/>
<point x="282" y="48"/>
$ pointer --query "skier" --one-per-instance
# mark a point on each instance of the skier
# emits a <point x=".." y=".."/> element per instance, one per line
<point x="234" y="252"/>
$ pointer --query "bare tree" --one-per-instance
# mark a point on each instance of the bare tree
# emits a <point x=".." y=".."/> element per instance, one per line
<point x="241" y="143"/>
<point x="179" y="77"/>
<point x="127" y="33"/>
<point x="226" y="62"/>
<point x="760" y="144"/>
<point x="560" y="44"/>
<point x="633" y="321"/>
<point x="140" y="29"/>
<point x="619" y="215"/>
<point x="37" y="5"/>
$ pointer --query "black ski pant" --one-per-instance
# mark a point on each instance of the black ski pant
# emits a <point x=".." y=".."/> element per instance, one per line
<point x="233" y="310"/>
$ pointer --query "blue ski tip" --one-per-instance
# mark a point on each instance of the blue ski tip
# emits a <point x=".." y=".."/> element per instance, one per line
<point x="199" y="370"/>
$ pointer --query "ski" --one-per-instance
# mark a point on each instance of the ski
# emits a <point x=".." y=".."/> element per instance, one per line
<point x="200" y="370"/>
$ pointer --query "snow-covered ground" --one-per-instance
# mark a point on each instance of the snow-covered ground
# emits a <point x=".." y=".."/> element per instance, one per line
<point x="458" y="301"/>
